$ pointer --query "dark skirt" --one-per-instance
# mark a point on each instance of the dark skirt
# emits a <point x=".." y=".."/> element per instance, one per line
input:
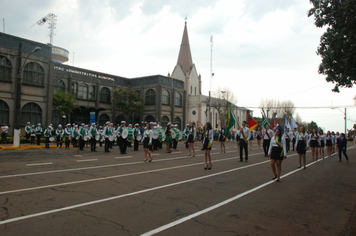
<point x="322" y="144"/>
<point x="276" y="153"/>
<point x="250" y="138"/>
<point x="190" y="138"/>
<point x="168" y="139"/>
<point x="259" y="137"/>
<point x="301" y="147"/>
<point x="222" y="138"/>
<point x="206" y="143"/>
<point x="237" y="138"/>
<point x="329" y="143"/>
<point x="145" y="142"/>
<point x="314" y="143"/>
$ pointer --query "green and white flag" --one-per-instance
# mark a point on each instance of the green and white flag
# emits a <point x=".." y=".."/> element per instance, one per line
<point x="264" y="121"/>
<point x="230" y="119"/>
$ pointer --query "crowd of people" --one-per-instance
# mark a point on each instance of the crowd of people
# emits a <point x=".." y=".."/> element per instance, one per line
<point x="276" y="144"/>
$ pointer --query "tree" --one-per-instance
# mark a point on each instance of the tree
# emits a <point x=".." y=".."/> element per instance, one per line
<point x="128" y="102"/>
<point x="338" y="44"/>
<point x="277" y="108"/>
<point x="63" y="104"/>
<point x="220" y="97"/>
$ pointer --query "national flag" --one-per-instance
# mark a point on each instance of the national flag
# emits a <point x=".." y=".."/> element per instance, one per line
<point x="275" y="124"/>
<point x="293" y="124"/>
<point x="230" y="119"/>
<point x="250" y="121"/>
<point x="264" y="121"/>
<point x="286" y="123"/>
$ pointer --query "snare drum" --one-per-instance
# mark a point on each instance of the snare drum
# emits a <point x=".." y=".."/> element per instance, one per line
<point x="155" y="134"/>
<point x="51" y="139"/>
<point x="139" y="137"/>
<point x="97" y="137"/>
<point x="125" y="133"/>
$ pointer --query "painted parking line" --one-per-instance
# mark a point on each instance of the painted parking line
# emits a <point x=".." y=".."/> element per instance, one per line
<point x="40" y="164"/>
<point x="87" y="160"/>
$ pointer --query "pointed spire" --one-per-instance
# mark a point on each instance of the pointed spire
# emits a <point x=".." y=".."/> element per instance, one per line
<point x="185" y="57"/>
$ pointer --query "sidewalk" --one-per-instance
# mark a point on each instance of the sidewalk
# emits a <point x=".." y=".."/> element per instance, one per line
<point x="10" y="146"/>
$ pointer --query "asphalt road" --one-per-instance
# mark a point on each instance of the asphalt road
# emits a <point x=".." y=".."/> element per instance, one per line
<point x="55" y="192"/>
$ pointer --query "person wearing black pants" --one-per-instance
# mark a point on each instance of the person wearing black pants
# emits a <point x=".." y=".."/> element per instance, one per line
<point x="295" y="133"/>
<point x="245" y="134"/>
<point x="81" y="137"/>
<point x="267" y="135"/>
<point x="122" y="141"/>
<point x="136" y="131"/>
<point x="342" y="145"/>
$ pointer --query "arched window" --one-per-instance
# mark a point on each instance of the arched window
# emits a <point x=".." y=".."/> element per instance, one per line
<point x="178" y="100"/>
<point x="105" y="95"/>
<point x="164" y="121"/>
<point x="83" y="91"/>
<point x="91" y="94"/>
<point x="149" y="119"/>
<point x="165" y="97"/>
<point x="103" y="118"/>
<point x="178" y="122"/>
<point x="4" y="112"/>
<point x="150" y="97"/>
<point x="31" y="112"/>
<point x="120" y="118"/>
<point x="5" y="69"/>
<point x="59" y="85"/>
<point x="33" y="74"/>
<point x="75" y="89"/>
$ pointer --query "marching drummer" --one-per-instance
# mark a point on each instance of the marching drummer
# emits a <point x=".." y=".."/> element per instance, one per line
<point x="93" y="132"/>
<point x="86" y="136"/>
<point x="129" y="137"/>
<point x="48" y="134"/>
<point x="75" y="135"/>
<point x="67" y="135"/>
<point x="168" y="137"/>
<point x="107" y="132"/>
<point x="59" y="136"/>
<point x="122" y="140"/>
<point x="175" y="139"/>
<point x="136" y="132"/>
<point x="81" y="137"/>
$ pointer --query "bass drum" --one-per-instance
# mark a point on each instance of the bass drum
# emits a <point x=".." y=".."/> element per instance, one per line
<point x="173" y="134"/>
<point x="97" y="137"/>
<point x="183" y="134"/>
<point x="155" y="134"/>
<point x="111" y="138"/>
<point x="180" y="136"/>
<point x="125" y="133"/>
<point x="51" y="139"/>
<point x="139" y="137"/>
<point x="130" y="134"/>
<point x="86" y="137"/>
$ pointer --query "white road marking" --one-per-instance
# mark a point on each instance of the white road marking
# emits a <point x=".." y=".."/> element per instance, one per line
<point x="87" y="160"/>
<point x="39" y="164"/>
<point x="123" y="157"/>
<point x="174" y="152"/>
<point x="157" y="154"/>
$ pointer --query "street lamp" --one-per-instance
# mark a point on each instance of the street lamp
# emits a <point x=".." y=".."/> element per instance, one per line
<point x="17" y="119"/>
<point x="344" y="118"/>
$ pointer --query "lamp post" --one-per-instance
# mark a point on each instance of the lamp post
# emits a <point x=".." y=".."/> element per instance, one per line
<point x="344" y="118"/>
<point x="17" y="119"/>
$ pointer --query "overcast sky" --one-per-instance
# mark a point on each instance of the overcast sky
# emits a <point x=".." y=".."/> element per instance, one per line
<point x="261" y="49"/>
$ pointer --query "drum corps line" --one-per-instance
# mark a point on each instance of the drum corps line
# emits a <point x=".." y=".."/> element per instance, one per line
<point x="276" y="143"/>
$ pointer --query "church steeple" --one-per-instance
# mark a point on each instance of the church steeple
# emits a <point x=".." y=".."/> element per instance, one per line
<point x="185" y="60"/>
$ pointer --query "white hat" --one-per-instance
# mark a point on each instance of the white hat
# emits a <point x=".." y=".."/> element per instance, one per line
<point x="58" y="126"/>
<point x="93" y="124"/>
<point x="130" y="124"/>
<point x="82" y="124"/>
<point x="123" y="122"/>
<point x="50" y="127"/>
<point x="151" y="123"/>
<point x="68" y="124"/>
<point x="28" y="122"/>
<point x="75" y="125"/>
<point x="137" y="124"/>
<point x="107" y="122"/>
<point x="169" y="123"/>
<point x="39" y="124"/>
<point x="154" y="123"/>
<point x="187" y="125"/>
<point x="175" y="125"/>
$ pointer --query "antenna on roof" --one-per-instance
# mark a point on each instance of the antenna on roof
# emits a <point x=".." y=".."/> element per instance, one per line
<point x="52" y="22"/>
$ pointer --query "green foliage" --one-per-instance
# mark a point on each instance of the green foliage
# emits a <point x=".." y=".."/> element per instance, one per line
<point x="128" y="102"/>
<point x="63" y="103"/>
<point x="338" y="44"/>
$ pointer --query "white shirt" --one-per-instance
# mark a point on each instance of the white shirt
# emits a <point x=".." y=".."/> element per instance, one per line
<point x="299" y="137"/>
<point x="269" y="132"/>
<point x="4" y="129"/>
<point x="246" y="132"/>
<point x="273" y="143"/>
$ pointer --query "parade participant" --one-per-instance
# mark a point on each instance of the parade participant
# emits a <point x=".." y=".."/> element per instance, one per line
<point x="122" y="141"/>
<point x="39" y="132"/>
<point x="329" y="143"/>
<point x="136" y="132"/>
<point x="288" y="136"/>
<point x="336" y="137"/>
<point x="129" y="138"/>
<point x="301" y="143"/>
<point x="27" y="131"/>
<point x="151" y="146"/>
<point x="59" y="136"/>
<point x="86" y="130"/>
<point x="267" y="135"/>
<point x="72" y="129"/>
<point x="208" y="143"/>
<point x="147" y="141"/>
<point x="295" y="135"/>
<point x="107" y="132"/>
<point x="259" y="137"/>
<point x="175" y="140"/>
<point x="159" y="141"/>
<point x="342" y="146"/>
<point x="244" y="134"/>
<point x="168" y="137"/>
<point x="186" y="132"/>
<point x="4" y="132"/>
<point x="322" y="143"/>
<point x="191" y="139"/>
<point x="67" y="135"/>
<point x="154" y="141"/>
<point x="222" y="138"/>
<point x="48" y="133"/>
<point x="333" y="141"/>
<point x="314" y="143"/>
<point x="81" y="137"/>
<point x="252" y="136"/>
<point x="277" y="152"/>
<point x="33" y="134"/>
<point x="93" y="132"/>
<point x="75" y="134"/>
